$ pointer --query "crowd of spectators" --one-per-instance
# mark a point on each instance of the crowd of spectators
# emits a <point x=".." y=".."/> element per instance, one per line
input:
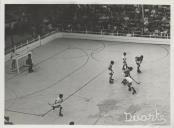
<point x="150" y="20"/>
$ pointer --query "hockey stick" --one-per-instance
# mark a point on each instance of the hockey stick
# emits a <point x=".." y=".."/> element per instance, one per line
<point x="135" y="80"/>
<point x="54" y="105"/>
<point x="47" y="111"/>
<point x="86" y="99"/>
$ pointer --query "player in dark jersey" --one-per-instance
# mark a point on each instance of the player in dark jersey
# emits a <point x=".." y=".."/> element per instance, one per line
<point x="138" y="61"/>
<point x="124" y="56"/>
<point x="110" y="66"/>
<point x="7" y="120"/>
<point x="29" y="63"/>
<point x="111" y="80"/>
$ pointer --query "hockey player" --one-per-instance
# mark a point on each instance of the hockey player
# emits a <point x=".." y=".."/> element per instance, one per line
<point x="57" y="104"/>
<point x="126" y="74"/>
<point x="127" y="71"/>
<point x="29" y="63"/>
<point x="124" y="57"/>
<point x="128" y="80"/>
<point x="111" y="80"/>
<point x="110" y="66"/>
<point x="124" y="66"/>
<point x="129" y="84"/>
<point x="124" y="61"/>
<point x="7" y="120"/>
<point x="138" y="61"/>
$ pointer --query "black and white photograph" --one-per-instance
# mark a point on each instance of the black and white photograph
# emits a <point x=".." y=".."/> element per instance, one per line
<point x="87" y="64"/>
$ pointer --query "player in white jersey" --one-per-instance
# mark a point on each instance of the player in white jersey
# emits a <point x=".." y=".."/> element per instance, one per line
<point x="57" y="104"/>
<point x="129" y="84"/>
<point x="126" y="74"/>
<point x="124" y="61"/>
<point x="128" y="79"/>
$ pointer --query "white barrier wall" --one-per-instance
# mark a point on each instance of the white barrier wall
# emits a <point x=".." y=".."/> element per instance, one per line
<point x="116" y="38"/>
<point x="50" y="38"/>
<point x="36" y="44"/>
<point x="91" y="37"/>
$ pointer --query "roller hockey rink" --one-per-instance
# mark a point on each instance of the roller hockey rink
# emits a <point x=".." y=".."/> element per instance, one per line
<point x="79" y="70"/>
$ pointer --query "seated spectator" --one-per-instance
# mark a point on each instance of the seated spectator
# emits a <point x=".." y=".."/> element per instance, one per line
<point x="126" y="18"/>
<point x="137" y="10"/>
<point x="146" y="22"/>
<point x="7" y="120"/>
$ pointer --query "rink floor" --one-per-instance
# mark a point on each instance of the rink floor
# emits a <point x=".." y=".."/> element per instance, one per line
<point x="78" y="69"/>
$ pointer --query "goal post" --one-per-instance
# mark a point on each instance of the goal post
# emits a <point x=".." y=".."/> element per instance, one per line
<point x="19" y="60"/>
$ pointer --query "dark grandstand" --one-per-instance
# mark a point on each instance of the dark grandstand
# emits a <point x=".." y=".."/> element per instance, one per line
<point x="27" y="22"/>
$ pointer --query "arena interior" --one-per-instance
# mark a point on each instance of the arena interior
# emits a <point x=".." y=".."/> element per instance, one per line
<point x="75" y="44"/>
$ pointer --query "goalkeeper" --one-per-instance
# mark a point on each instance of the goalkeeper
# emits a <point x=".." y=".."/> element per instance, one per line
<point x="29" y="63"/>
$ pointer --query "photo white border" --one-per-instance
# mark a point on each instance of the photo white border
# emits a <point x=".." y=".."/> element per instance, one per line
<point x="2" y="59"/>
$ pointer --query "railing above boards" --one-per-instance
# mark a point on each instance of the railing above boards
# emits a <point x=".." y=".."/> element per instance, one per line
<point x="104" y="32"/>
<point x="101" y="32"/>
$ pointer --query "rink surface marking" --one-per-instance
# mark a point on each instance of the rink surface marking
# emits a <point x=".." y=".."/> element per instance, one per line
<point x="36" y="65"/>
<point x="91" y="55"/>
<point x="55" y="83"/>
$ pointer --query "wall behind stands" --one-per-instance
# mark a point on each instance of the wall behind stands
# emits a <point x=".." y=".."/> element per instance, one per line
<point x="49" y="38"/>
<point x="116" y="38"/>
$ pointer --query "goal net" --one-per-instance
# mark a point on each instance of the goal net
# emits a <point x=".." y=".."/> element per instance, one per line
<point x="19" y="59"/>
